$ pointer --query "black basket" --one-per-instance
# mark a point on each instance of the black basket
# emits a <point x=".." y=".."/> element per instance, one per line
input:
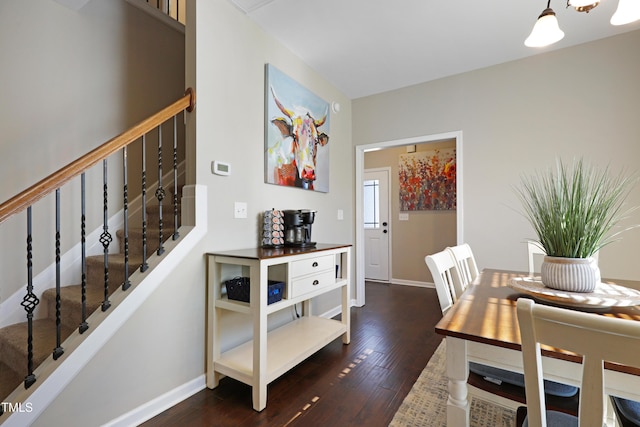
<point x="238" y="289"/>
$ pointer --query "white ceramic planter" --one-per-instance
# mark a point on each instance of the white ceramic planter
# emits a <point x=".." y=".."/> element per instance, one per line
<point x="570" y="274"/>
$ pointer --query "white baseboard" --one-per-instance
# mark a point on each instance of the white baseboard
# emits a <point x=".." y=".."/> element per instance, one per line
<point x="412" y="283"/>
<point x="160" y="404"/>
<point x="332" y="312"/>
<point x="409" y="283"/>
<point x="404" y="282"/>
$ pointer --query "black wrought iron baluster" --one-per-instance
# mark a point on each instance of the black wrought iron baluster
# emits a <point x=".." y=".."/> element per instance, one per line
<point x="144" y="265"/>
<point x="176" y="234"/>
<point x="29" y="302"/>
<point x="160" y="193"/>
<point x="127" y="282"/>
<point x="58" y="350"/>
<point x="105" y="237"/>
<point x="83" y="240"/>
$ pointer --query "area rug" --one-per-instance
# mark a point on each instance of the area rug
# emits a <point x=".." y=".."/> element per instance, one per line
<point x="426" y="403"/>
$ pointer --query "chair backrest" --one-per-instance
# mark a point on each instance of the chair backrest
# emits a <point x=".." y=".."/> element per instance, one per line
<point x="467" y="266"/>
<point x="445" y="276"/>
<point x="534" y="249"/>
<point x="597" y="338"/>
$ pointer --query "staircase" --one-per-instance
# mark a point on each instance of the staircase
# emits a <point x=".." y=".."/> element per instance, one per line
<point x="13" y="338"/>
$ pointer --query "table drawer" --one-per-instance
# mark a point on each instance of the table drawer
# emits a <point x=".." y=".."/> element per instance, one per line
<point x="312" y="265"/>
<point x="311" y="283"/>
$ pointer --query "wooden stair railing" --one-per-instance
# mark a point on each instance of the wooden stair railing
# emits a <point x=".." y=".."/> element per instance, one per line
<point x="52" y="184"/>
<point x="57" y="179"/>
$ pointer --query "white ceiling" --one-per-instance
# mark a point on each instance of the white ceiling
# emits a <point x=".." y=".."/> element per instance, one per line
<point x="364" y="47"/>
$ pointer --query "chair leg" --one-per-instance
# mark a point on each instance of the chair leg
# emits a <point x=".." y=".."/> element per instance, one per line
<point x="610" y="416"/>
<point x="521" y="414"/>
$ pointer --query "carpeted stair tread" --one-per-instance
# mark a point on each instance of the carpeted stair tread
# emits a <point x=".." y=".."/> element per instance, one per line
<point x="153" y="211"/>
<point x="71" y="302"/>
<point x="13" y="341"/>
<point x="135" y="239"/>
<point x="95" y="270"/>
<point x="9" y="380"/>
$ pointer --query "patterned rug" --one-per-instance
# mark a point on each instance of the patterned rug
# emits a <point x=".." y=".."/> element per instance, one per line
<point x="426" y="403"/>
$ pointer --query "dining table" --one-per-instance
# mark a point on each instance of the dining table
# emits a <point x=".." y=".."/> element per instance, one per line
<point x="482" y="327"/>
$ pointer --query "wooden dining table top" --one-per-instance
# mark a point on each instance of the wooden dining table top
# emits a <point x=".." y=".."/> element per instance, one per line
<point x="486" y="313"/>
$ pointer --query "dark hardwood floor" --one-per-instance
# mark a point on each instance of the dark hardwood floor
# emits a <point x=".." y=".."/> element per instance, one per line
<point x="360" y="384"/>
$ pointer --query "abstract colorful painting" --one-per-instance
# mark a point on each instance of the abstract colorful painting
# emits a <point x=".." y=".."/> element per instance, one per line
<point x="297" y="134"/>
<point x="428" y="180"/>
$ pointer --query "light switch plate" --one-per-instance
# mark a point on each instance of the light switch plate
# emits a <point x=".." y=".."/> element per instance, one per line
<point x="240" y="210"/>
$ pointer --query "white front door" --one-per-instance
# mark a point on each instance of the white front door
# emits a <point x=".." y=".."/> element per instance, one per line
<point x="376" y="224"/>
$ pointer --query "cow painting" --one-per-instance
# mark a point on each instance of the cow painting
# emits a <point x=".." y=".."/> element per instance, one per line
<point x="298" y="142"/>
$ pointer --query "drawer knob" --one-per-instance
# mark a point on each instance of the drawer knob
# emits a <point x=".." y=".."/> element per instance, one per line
<point x="316" y="282"/>
<point x="315" y="264"/>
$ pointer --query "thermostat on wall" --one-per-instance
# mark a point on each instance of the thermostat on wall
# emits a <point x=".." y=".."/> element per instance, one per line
<point x="220" y="168"/>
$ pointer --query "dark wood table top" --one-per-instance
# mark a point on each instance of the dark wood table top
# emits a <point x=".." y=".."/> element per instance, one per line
<point x="486" y="313"/>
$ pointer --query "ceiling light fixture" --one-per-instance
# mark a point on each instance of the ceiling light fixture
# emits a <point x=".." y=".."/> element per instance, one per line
<point x="546" y="30"/>
<point x="628" y="11"/>
<point x="583" y="5"/>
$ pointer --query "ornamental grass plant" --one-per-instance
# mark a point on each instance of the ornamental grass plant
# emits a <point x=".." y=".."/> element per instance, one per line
<point x="574" y="208"/>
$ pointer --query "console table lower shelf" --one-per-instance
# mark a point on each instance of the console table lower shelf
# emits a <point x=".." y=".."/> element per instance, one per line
<point x="287" y="346"/>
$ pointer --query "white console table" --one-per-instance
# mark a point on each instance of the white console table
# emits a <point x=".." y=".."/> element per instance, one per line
<point x="306" y="273"/>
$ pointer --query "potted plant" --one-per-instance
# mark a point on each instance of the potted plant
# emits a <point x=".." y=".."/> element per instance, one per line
<point x="573" y="210"/>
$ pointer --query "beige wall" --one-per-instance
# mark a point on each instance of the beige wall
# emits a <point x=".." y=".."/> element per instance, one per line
<point x="72" y="80"/>
<point x="232" y="53"/>
<point x="515" y="118"/>
<point x="425" y="232"/>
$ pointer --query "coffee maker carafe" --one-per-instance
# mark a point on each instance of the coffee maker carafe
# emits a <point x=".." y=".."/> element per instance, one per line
<point x="297" y="228"/>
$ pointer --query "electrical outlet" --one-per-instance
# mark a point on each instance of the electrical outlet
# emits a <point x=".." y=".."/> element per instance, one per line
<point x="240" y="210"/>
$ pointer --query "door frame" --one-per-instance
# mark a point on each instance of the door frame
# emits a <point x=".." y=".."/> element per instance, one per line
<point x="359" y="182"/>
<point x="386" y="169"/>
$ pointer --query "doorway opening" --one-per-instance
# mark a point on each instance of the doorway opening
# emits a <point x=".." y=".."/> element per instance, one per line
<point x="360" y="261"/>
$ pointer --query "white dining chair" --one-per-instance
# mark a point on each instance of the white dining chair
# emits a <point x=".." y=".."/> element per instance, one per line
<point x="445" y="277"/>
<point x="534" y="250"/>
<point x="467" y="266"/>
<point x="486" y="381"/>
<point x="597" y="338"/>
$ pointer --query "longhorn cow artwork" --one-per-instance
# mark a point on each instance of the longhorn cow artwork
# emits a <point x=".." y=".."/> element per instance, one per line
<point x="297" y="134"/>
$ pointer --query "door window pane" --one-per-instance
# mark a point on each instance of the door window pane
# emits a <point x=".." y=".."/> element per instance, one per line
<point x="372" y="204"/>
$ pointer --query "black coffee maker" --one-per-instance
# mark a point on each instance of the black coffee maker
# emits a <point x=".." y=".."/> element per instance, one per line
<point x="297" y="228"/>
